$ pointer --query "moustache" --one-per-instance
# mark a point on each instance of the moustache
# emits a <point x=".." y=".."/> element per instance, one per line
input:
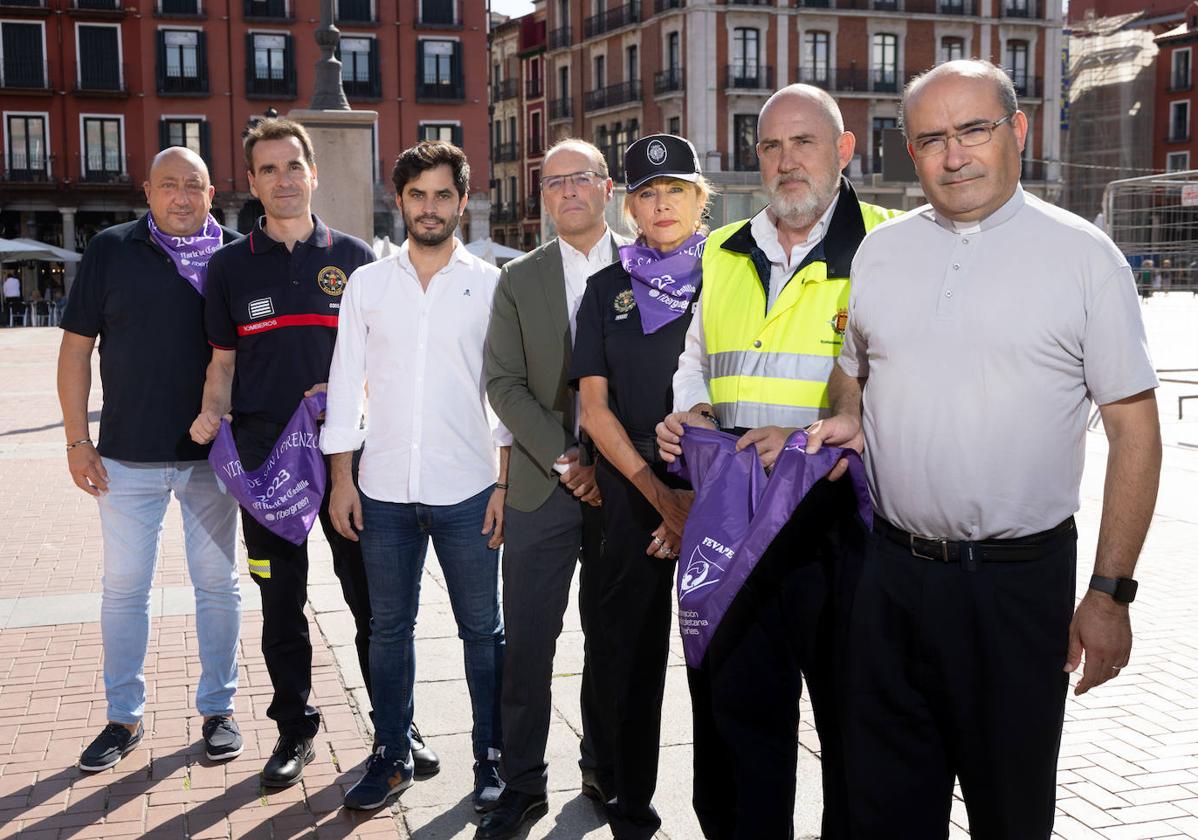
<point x="789" y="178"/>
<point x="430" y="219"/>
<point x="958" y="177"/>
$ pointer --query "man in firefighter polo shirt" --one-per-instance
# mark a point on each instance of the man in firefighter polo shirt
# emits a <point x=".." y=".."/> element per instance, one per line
<point x="271" y="316"/>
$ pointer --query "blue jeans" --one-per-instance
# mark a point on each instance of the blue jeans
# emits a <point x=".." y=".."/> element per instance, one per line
<point x="131" y="515"/>
<point x="394" y="542"/>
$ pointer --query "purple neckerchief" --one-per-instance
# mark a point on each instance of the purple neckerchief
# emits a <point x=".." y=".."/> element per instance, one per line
<point x="190" y="254"/>
<point x="663" y="284"/>
<point x="284" y="494"/>
<point x="736" y="515"/>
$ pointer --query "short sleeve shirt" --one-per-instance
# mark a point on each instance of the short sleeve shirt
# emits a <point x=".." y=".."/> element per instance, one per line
<point x="982" y="348"/>
<point x="153" y="351"/>
<point x="610" y="343"/>
<point x="278" y="310"/>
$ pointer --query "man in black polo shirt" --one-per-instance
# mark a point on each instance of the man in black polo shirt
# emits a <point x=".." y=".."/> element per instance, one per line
<point x="271" y="316"/>
<point x="141" y="289"/>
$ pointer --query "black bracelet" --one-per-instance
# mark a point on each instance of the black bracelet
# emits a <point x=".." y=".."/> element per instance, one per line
<point x="499" y="485"/>
<point x="710" y="417"/>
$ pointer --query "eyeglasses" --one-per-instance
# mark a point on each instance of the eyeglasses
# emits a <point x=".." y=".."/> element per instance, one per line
<point x="975" y="135"/>
<point x="585" y="179"/>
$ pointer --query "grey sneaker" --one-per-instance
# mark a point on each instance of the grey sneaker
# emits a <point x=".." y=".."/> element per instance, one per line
<point x="385" y="776"/>
<point x="487" y="784"/>
<point x="112" y="744"/>
<point x="222" y="738"/>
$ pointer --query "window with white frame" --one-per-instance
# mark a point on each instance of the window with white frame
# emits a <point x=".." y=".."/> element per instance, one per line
<point x="746" y="54"/>
<point x="817" y="57"/>
<point x="103" y="147"/>
<point x="1179" y="120"/>
<point x="25" y="155"/>
<point x="1177" y="161"/>
<point x="1181" y="77"/>
<point x="952" y="48"/>
<point x="885" y="62"/>
<point x="1017" y="66"/>
<point x="22" y="55"/>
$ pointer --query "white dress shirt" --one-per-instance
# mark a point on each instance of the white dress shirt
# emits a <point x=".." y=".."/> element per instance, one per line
<point x="430" y="435"/>
<point x="690" y="380"/>
<point x="578" y="267"/>
<point x="12" y="286"/>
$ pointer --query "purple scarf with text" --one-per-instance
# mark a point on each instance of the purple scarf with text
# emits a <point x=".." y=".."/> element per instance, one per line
<point x="738" y="511"/>
<point x="190" y="254"/>
<point x="664" y="284"/>
<point x="284" y="494"/>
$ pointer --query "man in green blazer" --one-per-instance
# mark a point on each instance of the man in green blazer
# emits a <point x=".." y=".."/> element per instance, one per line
<point x="551" y="515"/>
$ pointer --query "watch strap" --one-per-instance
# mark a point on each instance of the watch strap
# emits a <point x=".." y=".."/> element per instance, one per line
<point x="1122" y="590"/>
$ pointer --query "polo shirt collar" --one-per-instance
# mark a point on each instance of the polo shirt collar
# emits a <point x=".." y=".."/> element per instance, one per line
<point x="261" y="242"/>
<point x="1003" y="214"/>
<point x="844" y="233"/>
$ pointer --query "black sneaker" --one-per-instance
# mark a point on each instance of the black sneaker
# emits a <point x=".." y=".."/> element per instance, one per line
<point x="222" y="738"/>
<point x="287" y="761"/>
<point x="113" y="743"/>
<point x="509" y="816"/>
<point x="384" y="777"/>
<point x="426" y="761"/>
<point x="487" y="784"/>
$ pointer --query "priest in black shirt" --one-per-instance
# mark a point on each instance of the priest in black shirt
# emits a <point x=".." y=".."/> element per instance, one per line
<point x="632" y="324"/>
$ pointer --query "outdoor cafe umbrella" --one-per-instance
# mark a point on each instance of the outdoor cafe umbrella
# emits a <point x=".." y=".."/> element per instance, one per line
<point x="15" y="250"/>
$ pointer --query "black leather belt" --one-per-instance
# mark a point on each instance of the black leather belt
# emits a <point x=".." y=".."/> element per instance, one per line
<point x="989" y="551"/>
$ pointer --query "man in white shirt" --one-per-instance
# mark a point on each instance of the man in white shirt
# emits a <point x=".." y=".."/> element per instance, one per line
<point x="12" y="294"/>
<point x="413" y="326"/>
<point x="551" y="520"/>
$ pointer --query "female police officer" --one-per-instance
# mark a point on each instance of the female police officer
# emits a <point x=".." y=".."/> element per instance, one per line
<point x="632" y="324"/>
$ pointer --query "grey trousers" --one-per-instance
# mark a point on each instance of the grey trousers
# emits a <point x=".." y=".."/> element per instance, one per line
<point x="541" y="549"/>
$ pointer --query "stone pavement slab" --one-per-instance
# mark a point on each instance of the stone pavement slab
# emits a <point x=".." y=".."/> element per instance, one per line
<point x="1129" y="757"/>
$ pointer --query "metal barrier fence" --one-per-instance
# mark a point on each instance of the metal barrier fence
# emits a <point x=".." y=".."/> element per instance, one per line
<point x="1154" y="221"/>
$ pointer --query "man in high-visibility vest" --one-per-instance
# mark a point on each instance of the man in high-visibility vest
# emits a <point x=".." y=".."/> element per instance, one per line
<point x="768" y="330"/>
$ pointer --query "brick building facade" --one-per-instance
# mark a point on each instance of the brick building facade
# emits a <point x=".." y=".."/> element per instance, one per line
<point x="90" y="90"/>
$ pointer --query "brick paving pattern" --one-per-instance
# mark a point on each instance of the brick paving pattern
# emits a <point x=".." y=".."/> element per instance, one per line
<point x="1129" y="757"/>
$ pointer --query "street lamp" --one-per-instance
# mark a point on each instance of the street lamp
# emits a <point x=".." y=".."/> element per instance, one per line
<point x="328" y="94"/>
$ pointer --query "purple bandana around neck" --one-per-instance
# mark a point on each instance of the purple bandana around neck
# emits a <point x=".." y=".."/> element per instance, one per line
<point x="738" y="511"/>
<point x="664" y="284"/>
<point x="190" y="254"/>
<point x="284" y="494"/>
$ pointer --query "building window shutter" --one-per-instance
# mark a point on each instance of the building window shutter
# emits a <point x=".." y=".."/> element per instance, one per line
<point x="249" y="63"/>
<point x="376" y="79"/>
<point x="289" y="64"/>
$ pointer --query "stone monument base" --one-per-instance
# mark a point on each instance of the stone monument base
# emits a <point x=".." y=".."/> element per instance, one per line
<point x="345" y="165"/>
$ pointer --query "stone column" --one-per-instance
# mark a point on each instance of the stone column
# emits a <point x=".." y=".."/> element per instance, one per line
<point x="232" y="211"/>
<point x="343" y="141"/>
<point x="68" y="242"/>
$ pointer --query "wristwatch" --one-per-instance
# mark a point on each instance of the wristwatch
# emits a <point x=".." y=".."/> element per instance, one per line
<point x="1123" y="590"/>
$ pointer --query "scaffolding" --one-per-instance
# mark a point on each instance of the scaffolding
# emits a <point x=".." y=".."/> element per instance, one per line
<point x="1109" y="112"/>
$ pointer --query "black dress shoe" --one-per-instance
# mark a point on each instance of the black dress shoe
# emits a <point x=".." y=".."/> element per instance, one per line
<point x="592" y="787"/>
<point x="510" y="815"/>
<point x="287" y="760"/>
<point x="426" y="761"/>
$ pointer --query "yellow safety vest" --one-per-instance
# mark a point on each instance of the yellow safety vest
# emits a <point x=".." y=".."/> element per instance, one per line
<point x="771" y="368"/>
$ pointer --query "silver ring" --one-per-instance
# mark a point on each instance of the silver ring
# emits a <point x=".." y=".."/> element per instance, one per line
<point x="659" y="541"/>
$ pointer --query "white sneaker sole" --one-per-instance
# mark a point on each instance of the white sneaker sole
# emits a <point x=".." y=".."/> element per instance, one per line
<point x="226" y="755"/>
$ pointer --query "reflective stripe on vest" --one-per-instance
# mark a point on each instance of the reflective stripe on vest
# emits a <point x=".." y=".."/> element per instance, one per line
<point x="772" y="368"/>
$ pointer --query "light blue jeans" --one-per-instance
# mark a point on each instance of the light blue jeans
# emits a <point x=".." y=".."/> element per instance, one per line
<point x="131" y="515"/>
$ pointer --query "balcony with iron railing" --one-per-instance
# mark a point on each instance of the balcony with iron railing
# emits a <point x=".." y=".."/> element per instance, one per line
<point x="1180" y="81"/>
<point x="19" y="74"/>
<point x="96" y="5"/>
<point x="1028" y="87"/>
<point x="25" y="5"/>
<point x="506" y="152"/>
<point x="559" y="38"/>
<point x="747" y="2"/>
<point x="612" y="95"/>
<point x="27" y="170"/>
<point x="266" y="10"/>
<point x="534" y="87"/>
<point x="281" y="85"/>
<point x="660" y="6"/>
<point x="178" y="8"/>
<point x="532" y="207"/>
<point x="669" y="80"/>
<point x="101" y="78"/>
<point x="748" y="77"/>
<point x="354" y="11"/>
<point x="508" y="212"/>
<point x="853" y="79"/>
<point x="441" y="90"/>
<point x="611" y="19"/>
<point x="192" y="83"/>
<point x="1178" y="134"/>
<point x="102" y="169"/>
<point x="505" y="89"/>
<point x="1020" y="9"/>
<point x="561" y="109"/>
<point x="438" y="14"/>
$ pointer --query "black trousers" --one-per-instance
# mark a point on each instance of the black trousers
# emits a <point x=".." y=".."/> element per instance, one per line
<point x="540" y="552"/>
<point x="786" y="624"/>
<point x="283" y="584"/>
<point x="633" y="623"/>
<point x="957" y="672"/>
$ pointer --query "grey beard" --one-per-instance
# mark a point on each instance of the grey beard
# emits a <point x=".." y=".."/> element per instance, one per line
<point x="800" y="212"/>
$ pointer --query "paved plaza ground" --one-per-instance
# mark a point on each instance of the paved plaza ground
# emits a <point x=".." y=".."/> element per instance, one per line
<point x="1129" y="761"/>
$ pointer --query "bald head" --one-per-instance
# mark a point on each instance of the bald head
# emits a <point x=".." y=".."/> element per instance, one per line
<point x="179" y="191"/>
<point x="574" y="144"/>
<point x="181" y="155"/>
<point x="963" y="69"/>
<point x="805" y="97"/>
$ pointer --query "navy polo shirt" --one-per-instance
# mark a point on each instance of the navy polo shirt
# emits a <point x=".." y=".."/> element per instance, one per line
<point x="278" y="309"/>
<point x="153" y="350"/>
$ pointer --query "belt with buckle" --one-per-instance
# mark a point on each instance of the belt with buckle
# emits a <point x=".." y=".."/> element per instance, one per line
<point x="989" y="551"/>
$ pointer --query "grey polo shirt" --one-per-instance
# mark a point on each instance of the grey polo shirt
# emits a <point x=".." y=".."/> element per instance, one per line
<point x="983" y="347"/>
